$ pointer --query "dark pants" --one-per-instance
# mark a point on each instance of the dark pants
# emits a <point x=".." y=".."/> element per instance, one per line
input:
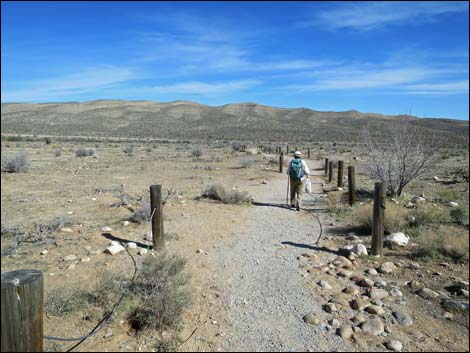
<point x="296" y="188"/>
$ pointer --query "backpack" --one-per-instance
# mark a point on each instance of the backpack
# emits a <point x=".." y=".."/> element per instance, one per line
<point x="296" y="171"/>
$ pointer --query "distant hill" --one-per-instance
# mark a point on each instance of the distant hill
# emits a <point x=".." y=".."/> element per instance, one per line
<point x="190" y="120"/>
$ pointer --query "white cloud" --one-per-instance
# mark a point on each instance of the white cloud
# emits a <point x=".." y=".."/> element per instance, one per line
<point x="201" y="88"/>
<point x="375" y="14"/>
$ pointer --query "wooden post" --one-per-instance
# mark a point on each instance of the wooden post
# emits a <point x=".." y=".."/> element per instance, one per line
<point x="378" y="219"/>
<point x="351" y="185"/>
<point x="157" y="220"/>
<point x="281" y="162"/>
<point x="308" y="153"/>
<point x="326" y="166"/>
<point x="330" y="171"/>
<point x="340" y="174"/>
<point x="22" y="311"/>
<point x="287" y="149"/>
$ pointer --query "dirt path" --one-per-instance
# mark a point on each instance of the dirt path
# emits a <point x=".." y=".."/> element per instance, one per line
<point x="260" y="279"/>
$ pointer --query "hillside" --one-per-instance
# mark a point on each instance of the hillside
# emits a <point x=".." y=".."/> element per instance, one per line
<point x="189" y="120"/>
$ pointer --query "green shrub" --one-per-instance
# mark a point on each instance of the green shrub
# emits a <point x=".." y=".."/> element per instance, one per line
<point x="445" y="196"/>
<point x="428" y="215"/>
<point x="64" y="300"/>
<point x="459" y="215"/>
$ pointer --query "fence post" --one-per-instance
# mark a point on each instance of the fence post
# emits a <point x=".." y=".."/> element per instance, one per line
<point x="326" y="166"/>
<point x="22" y="311"/>
<point x="281" y="162"/>
<point x="287" y="149"/>
<point x="308" y="152"/>
<point x="330" y="171"/>
<point x="351" y="185"/>
<point x="378" y="219"/>
<point x="156" y="208"/>
<point x="340" y="174"/>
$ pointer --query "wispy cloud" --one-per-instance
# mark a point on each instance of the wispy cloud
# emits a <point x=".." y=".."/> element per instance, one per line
<point x="374" y="14"/>
<point x="88" y="80"/>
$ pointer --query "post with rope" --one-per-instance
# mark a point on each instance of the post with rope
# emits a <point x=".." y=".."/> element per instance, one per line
<point x="378" y="219"/>
<point x="22" y="311"/>
<point x="326" y="166"/>
<point x="281" y="162"/>
<point x="156" y="209"/>
<point x="340" y="173"/>
<point x="330" y="171"/>
<point x="351" y="185"/>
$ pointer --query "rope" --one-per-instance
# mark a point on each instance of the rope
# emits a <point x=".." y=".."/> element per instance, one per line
<point x="102" y="324"/>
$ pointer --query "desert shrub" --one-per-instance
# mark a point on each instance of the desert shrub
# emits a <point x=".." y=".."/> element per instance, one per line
<point x="104" y="291"/>
<point x="162" y="292"/>
<point x="17" y="164"/>
<point x="459" y="215"/>
<point x="218" y="192"/>
<point x="47" y="140"/>
<point x="217" y="159"/>
<point x="215" y="192"/>
<point x="129" y="150"/>
<point x="247" y="162"/>
<point x="64" y="300"/>
<point x="428" y="215"/>
<point x="84" y="152"/>
<point x="57" y="153"/>
<point x="167" y="344"/>
<point x="236" y="146"/>
<point x="445" y="196"/>
<point x="141" y="215"/>
<point x="395" y="218"/>
<point x="197" y="151"/>
<point x="237" y="197"/>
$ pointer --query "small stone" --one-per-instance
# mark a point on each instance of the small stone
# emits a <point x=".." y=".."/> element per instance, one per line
<point x="413" y="266"/>
<point x="330" y="307"/>
<point x="359" y="249"/>
<point x="142" y="252"/>
<point x="115" y="249"/>
<point x="353" y="290"/>
<point x="106" y="229"/>
<point x="109" y="333"/>
<point x="427" y="293"/>
<point x="359" y="304"/>
<point x="360" y="318"/>
<point x="357" y="278"/>
<point x="311" y="319"/>
<point x="394" y="345"/>
<point x="44" y="252"/>
<point x="463" y="292"/>
<point x="366" y="282"/>
<point x="372" y="272"/>
<point x="453" y="204"/>
<point x="395" y="292"/>
<point x="373" y="326"/>
<point x="448" y="316"/>
<point x="415" y="285"/>
<point x="66" y="230"/>
<point x="343" y="262"/>
<point x="131" y="245"/>
<point x="387" y="267"/>
<point x="324" y="284"/>
<point x="377" y="293"/>
<point x="71" y="266"/>
<point x="125" y="223"/>
<point x="375" y="309"/>
<point x="93" y="199"/>
<point x="345" y="273"/>
<point x="200" y="251"/>
<point x="70" y="212"/>
<point x="334" y="323"/>
<point x="264" y="182"/>
<point x="345" y="332"/>
<point x="380" y="283"/>
<point x="70" y="258"/>
<point x="403" y="318"/>
<point x="85" y="259"/>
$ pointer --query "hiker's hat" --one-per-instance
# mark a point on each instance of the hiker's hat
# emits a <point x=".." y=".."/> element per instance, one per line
<point x="297" y="154"/>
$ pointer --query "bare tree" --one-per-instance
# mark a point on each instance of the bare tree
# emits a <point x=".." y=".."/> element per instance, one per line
<point x="401" y="153"/>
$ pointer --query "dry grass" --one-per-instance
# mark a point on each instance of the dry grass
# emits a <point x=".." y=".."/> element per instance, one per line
<point x="219" y="193"/>
<point x="396" y="218"/>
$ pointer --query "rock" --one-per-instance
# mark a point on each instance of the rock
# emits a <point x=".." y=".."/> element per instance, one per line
<point x="359" y="304"/>
<point x="436" y="178"/>
<point x="395" y="292"/>
<point x="142" y="252"/>
<point x="334" y="323"/>
<point x="131" y="245"/>
<point x="448" y="316"/>
<point x="345" y="273"/>
<point x="114" y="243"/>
<point x="106" y="229"/>
<point x="409" y="205"/>
<point x="72" y="266"/>
<point x="453" y="204"/>
<point x="377" y="293"/>
<point x="394" y="345"/>
<point x="387" y="267"/>
<point x="463" y="292"/>
<point x="366" y="282"/>
<point x="400" y="239"/>
<point x="115" y="249"/>
<point x="353" y="290"/>
<point x="70" y="212"/>
<point x="357" y="278"/>
<point x="403" y="318"/>
<point x="66" y="230"/>
<point x="427" y="293"/>
<point x="264" y="182"/>
<point x="311" y="319"/>
<point x="338" y="299"/>
<point x="85" y="259"/>
<point x="375" y="309"/>
<point x="461" y="284"/>
<point x="93" y="199"/>
<point x="70" y="258"/>
<point x="372" y="272"/>
<point x="418" y="199"/>
<point x="200" y="251"/>
<point x="44" y="252"/>
<point x="359" y="250"/>
<point x="125" y="223"/>
<point x="455" y="305"/>
<point x="324" y="284"/>
<point x="373" y="326"/>
<point x="413" y="266"/>
<point x="343" y="262"/>
<point x="109" y="333"/>
<point x="380" y="283"/>
<point x="345" y="332"/>
<point x="360" y="318"/>
<point x="330" y="307"/>
<point x="415" y="285"/>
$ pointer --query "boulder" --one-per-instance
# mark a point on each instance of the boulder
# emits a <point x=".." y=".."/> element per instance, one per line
<point x="115" y="249"/>
<point x="345" y="332"/>
<point x="387" y="267"/>
<point x="427" y="293"/>
<point x="359" y="250"/>
<point x="399" y="239"/>
<point x="373" y="326"/>
<point x="377" y="293"/>
<point x="394" y="345"/>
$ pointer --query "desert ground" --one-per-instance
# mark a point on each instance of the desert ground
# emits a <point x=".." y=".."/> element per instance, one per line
<point x="261" y="277"/>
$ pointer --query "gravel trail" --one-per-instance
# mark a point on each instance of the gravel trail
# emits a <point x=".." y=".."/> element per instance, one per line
<point x="267" y="293"/>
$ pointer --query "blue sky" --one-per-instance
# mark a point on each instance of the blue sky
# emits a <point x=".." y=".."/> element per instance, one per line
<point x="384" y="57"/>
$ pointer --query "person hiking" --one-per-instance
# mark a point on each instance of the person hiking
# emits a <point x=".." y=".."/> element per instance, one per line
<point x="298" y="172"/>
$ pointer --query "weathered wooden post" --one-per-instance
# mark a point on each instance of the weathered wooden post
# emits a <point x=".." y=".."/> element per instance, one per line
<point x="156" y="208"/>
<point x="330" y="171"/>
<point x="340" y="174"/>
<point x="308" y="153"/>
<point x="351" y="185"/>
<point x="326" y="166"/>
<point x="22" y="311"/>
<point x="287" y="149"/>
<point x="378" y="219"/>
<point x="281" y="162"/>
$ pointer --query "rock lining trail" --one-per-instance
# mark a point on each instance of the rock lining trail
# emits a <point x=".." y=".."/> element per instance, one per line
<point x="267" y="295"/>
